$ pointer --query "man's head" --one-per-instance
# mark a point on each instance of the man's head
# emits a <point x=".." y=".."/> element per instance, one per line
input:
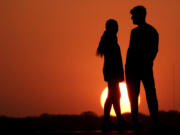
<point x="138" y="15"/>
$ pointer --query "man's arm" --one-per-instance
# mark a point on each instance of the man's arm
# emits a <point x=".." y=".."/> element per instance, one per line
<point x="155" y="44"/>
<point x="129" y="54"/>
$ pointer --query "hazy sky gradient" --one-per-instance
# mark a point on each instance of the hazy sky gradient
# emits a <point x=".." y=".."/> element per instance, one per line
<point x="47" y="53"/>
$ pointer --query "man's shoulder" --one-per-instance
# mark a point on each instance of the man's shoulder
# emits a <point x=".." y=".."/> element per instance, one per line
<point x="151" y="28"/>
<point x="135" y="29"/>
<point x="146" y="27"/>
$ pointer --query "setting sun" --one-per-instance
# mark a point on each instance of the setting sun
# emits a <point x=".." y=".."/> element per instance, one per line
<point x="124" y="100"/>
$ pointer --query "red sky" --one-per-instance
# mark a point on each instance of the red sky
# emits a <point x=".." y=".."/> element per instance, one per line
<point x="47" y="53"/>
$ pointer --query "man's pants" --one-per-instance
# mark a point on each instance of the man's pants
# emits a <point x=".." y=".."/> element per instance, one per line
<point x="133" y="79"/>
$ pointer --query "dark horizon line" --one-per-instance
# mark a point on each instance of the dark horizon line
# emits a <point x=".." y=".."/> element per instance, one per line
<point x="85" y="113"/>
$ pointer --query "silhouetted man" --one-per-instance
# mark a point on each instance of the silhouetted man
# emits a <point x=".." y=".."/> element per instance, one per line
<point x="139" y="64"/>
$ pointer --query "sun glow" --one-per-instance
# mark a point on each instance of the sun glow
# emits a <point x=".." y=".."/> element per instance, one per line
<point x="124" y="100"/>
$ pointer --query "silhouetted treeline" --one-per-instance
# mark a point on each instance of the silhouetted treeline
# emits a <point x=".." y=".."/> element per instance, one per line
<point x="170" y="121"/>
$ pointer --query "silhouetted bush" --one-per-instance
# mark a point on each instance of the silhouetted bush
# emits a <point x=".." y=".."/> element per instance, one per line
<point x="85" y="121"/>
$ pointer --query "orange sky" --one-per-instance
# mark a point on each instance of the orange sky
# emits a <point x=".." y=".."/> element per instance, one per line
<point x="47" y="53"/>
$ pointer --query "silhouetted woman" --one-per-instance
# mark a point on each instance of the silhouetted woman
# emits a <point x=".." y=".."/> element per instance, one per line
<point x="113" y="68"/>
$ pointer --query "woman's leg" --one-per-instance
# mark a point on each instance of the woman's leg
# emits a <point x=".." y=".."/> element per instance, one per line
<point x="108" y="104"/>
<point x="116" y="100"/>
<point x="107" y="109"/>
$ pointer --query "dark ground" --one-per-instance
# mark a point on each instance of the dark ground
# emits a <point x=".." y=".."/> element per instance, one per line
<point x="87" y="123"/>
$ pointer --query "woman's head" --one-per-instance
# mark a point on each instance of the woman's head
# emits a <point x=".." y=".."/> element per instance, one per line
<point x="112" y="26"/>
<point x="109" y="37"/>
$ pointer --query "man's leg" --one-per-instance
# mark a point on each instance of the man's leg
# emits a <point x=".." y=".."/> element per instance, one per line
<point x="133" y="86"/>
<point x="149" y="85"/>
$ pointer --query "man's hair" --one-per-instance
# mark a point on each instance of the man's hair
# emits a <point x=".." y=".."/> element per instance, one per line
<point x="139" y="11"/>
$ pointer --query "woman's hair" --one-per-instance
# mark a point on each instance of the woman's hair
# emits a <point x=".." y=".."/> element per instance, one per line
<point x="111" y="29"/>
<point x="112" y="25"/>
